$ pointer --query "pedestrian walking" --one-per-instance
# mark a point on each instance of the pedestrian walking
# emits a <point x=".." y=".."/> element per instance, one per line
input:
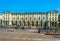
<point x="39" y="30"/>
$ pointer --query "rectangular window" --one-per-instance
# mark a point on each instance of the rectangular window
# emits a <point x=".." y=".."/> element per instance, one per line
<point x="52" y="14"/>
<point x="39" y="18"/>
<point x="52" y="19"/>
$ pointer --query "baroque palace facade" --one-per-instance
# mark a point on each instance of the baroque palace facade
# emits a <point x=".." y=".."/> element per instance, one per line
<point x="30" y="18"/>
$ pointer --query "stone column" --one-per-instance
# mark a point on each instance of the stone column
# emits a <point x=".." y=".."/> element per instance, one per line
<point x="49" y="24"/>
<point x="10" y="22"/>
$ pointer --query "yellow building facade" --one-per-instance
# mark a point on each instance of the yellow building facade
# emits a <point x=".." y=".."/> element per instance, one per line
<point x="30" y="18"/>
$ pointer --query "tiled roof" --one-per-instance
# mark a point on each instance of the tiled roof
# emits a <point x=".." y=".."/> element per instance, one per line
<point x="54" y="11"/>
<point x="30" y="13"/>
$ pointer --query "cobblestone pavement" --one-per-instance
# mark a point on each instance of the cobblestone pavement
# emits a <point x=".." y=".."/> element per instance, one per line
<point x="24" y="35"/>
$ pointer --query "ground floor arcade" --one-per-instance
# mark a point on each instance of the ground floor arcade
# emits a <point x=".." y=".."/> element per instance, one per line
<point x="30" y="23"/>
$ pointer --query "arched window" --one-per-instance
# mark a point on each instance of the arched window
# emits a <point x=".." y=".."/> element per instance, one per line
<point x="20" y="22"/>
<point x="43" y="17"/>
<point x="36" y="23"/>
<point x="14" y="22"/>
<point x="28" y="23"/>
<point x="32" y="23"/>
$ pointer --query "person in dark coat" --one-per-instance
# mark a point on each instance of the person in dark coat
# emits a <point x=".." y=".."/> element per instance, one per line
<point x="39" y="30"/>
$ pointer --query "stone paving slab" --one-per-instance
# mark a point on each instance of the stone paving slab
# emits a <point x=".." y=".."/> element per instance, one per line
<point x="22" y="35"/>
<point x="30" y="39"/>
